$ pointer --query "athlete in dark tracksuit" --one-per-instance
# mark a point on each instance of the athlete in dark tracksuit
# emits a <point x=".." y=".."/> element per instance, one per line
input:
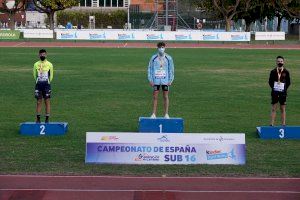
<point x="279" y="82"/>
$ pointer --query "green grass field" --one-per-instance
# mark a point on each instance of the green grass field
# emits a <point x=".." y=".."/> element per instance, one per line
<point x="215" y="90"/>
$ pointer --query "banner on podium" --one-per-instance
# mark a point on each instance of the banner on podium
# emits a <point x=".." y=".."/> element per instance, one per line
<point x="171" y="148"/>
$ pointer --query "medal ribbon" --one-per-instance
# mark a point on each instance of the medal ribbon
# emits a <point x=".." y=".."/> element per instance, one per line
<point x="279" y="73"/>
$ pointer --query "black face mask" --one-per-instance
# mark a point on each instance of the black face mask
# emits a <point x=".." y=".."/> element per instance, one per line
<point x="42" y="58"/>
<point x="280" y="64"/>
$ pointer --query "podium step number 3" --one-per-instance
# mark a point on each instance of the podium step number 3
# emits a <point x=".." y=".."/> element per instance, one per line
<point x="40" y="129"/>
<point x="278" y="132"/>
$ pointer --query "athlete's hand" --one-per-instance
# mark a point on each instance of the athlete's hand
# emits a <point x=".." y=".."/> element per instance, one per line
<point x="151" y="84"/>
<point x="169" y="84"/>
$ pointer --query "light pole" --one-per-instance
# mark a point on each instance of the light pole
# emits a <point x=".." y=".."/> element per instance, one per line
<point x="128" y="15"/>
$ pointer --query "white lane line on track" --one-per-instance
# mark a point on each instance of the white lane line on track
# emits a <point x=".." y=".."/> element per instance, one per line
<point x="176" y="191"/>
<point x="147" y="177"/>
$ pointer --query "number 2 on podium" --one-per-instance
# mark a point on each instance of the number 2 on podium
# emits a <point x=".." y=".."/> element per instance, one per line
<point x="42" y="132"/>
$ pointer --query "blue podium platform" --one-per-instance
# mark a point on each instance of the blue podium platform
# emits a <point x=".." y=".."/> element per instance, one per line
<point x="278" y="132"/>
<point x="36" y="129"/>
<point x="160" y="125"/>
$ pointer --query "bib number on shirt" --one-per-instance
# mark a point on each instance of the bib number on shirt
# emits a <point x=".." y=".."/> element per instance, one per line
<point x="43" y="76"/>
<point x="278" y="86"/>
<point x="160" y="73"/>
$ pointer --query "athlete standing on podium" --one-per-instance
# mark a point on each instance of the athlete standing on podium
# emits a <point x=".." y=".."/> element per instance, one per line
<point x="161" y="75"/>
<point x="279" y="82"/>
<point x="43" y="75"/>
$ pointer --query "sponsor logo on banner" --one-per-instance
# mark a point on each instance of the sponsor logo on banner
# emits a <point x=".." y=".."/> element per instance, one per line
<point x="7" y="34"/>
<point x="219" y="139"/>
<point x="238" y="37"/>
<point x="163" y="139"/>
<point x="125" y="36"/>
<point x="68" y="35"/>
<point x="210" y="36"/>
<point x="109" y="138"/>
<point x="146" y="157"/>
<point x="154" y="36"/>
<point x="97" y="36"/>
<point x="183" y="37"/>
<point x="218" y="154"/>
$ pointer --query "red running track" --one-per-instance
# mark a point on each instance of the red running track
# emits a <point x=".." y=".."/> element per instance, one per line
<point x="31" y="187"/>
<point x="148" y="45"/>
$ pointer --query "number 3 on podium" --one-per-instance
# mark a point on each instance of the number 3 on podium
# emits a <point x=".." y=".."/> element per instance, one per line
<point x="281" y="133"/>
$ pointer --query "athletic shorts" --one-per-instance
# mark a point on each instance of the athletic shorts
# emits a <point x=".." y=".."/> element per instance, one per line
<point x="278" y="97"/>
<point x="42" y="90"/>
<point x="163" y="87"/>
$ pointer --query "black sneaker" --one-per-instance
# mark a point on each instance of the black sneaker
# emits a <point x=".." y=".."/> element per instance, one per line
<point x="47" y="120"/>
<point x="38" y="121"/>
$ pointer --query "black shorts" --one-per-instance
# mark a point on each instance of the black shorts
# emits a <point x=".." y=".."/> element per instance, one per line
<point x="278" y="97"/>
<point x="42" y="90"/>
<point x="163" y="87"/>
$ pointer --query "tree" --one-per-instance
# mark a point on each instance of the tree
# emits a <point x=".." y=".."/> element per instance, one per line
<point x="292" y="7"/>
<point x="49" y="7"/>
<point x="255" y="11"/>
<point x="12" y="9"/>
<point x="227" y="8"/>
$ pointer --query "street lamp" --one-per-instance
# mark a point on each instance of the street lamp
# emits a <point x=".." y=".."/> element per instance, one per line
<point x="10" y="4"/>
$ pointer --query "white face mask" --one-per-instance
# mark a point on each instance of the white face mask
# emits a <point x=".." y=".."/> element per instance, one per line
<point x="161" y="50"/>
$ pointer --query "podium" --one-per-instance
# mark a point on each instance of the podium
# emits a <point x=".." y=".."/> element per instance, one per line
<point x="278" y="132"/>
<point x="160" y="125"/>
<point x="39" y="129"/>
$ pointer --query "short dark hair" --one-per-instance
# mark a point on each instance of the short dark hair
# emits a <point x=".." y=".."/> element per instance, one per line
<point x="42" y="51"/>
<point x="161" y="44"/>
<point x="280" y="57"/>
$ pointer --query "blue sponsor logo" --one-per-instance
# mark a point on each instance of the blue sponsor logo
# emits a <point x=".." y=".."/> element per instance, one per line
<point x="218" y="154"/>
<point x="68" y="35"/>
<point x="154" y="36"/>
<point x="211" y="37"/>
<point x="183" y="37"/>
<point x="124" y="36"/>
<point x="238" y="37"/>
<point x="164" y="138"/>
<point x="97" y="36"/>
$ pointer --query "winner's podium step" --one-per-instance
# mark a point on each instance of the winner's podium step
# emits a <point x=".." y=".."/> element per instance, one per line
<point x="278" y="132"/>
<point x="160" y="125"/>
<point x="51" y="128"/>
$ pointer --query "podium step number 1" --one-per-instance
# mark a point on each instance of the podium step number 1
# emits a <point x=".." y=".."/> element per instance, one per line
<point x="41" y="129"/>
<point x="160" y="125"/>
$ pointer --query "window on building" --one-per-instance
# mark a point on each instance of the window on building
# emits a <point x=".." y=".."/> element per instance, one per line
<point x="82" y="2"/>
<point x="89" y="3"/>
<point x="107" y="3"/>
<point x="101" y="3"/>
<point x="114" y="3"/>
<point x="120" y="3"/>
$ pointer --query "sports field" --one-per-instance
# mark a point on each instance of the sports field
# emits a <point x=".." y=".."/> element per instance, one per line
<point x="94" y="89"/>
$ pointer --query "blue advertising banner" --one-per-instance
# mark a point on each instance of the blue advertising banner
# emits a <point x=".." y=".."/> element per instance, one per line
<point x="171" y="148"/>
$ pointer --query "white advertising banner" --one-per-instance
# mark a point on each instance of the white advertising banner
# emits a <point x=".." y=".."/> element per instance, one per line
<point x="170" y="148"/>
<point x="37" y="33"/>
<point x="151" y="35"/>
<point x="269" y="35"/>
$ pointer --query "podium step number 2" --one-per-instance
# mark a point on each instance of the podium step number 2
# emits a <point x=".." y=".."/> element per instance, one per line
<point x="278" y="132"/>
<point x="40" y="129"/>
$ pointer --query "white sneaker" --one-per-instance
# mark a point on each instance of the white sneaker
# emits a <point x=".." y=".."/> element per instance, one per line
<point x="167" y="116"/>
<point x="153" y="116"/>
